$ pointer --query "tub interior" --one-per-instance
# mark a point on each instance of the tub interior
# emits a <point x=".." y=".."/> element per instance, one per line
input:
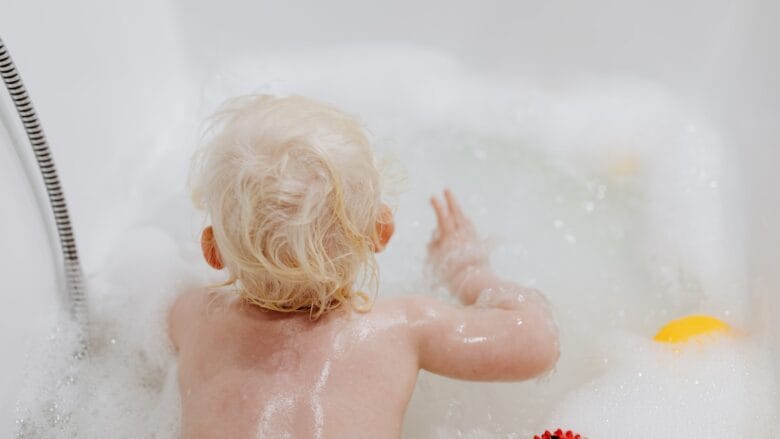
<point x="619" y="156"/>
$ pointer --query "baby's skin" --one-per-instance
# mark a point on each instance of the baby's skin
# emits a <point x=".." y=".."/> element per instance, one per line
<point x="246" y="372"/>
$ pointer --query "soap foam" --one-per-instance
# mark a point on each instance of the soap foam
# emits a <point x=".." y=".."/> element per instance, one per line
<point x="604" y="194"/>
<point x="126" y="386"/>
<point x="716" y="389"/>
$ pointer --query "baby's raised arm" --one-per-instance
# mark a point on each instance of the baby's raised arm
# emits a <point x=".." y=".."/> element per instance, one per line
<point x="504" y="331"/>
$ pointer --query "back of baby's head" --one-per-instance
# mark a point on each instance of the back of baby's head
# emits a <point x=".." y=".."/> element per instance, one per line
<point x="293" y="192"/>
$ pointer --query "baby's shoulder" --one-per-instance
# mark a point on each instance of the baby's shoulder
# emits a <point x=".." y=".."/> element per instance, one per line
<point x="411" y="309"/>
<point x="199" y="300"/>
<point x="192" y="306"/>
<point x="399" y="305"/>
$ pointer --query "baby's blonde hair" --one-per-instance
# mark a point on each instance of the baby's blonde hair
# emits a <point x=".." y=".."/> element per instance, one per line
<point x="294" y="193"/>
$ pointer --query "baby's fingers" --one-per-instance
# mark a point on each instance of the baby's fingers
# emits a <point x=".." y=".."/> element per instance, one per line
<point x="442" y="218"/>
<point x="454" y="207"/>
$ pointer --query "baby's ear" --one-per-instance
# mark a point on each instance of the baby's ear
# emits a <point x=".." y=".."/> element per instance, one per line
<point x="210" y="251"/>
<point x="385" y="227"/>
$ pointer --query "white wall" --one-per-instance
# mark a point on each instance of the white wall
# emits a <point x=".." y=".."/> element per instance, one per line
<point x="106" y="79"/>
<point x="28" y="298"/>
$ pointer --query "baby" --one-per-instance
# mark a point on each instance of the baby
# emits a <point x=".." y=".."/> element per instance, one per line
<point x="292" y="344"/>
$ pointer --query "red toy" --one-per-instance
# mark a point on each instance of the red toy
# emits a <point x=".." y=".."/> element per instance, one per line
<point x="560" y="434"/>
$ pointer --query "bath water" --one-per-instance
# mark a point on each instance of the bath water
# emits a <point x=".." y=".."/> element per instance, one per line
<point x="608" y="194"/>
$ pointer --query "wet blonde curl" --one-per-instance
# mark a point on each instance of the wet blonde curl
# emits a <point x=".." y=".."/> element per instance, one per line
<point x="294" y="193"/>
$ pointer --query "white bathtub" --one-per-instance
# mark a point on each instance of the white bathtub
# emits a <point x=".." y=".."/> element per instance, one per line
<point x="108" y="77"/>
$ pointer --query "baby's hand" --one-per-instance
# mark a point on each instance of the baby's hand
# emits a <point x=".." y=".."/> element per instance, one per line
<point x="455" y="247"/>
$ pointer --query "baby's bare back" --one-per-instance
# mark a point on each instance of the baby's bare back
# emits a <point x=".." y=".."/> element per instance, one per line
<point x="245" y="372"/>
<point x="248" y="372"/>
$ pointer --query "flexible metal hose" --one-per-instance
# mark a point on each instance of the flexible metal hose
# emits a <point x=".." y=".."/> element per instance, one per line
<point x="74" y="282"/>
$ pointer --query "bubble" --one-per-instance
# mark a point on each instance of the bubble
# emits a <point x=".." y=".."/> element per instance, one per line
<point x="589" y="206"/>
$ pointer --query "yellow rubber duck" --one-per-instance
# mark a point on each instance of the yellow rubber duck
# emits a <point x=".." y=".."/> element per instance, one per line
<point x="690" y="327"/>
